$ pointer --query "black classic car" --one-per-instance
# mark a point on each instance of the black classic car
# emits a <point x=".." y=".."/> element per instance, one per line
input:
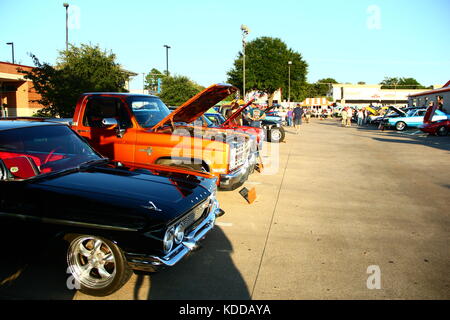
<point x="115" y="217"/>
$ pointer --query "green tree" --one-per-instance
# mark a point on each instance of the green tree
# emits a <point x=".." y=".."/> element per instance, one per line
<point x="80" y="69"/>
<point x="151" y="79"/>
<point x="401" y="83"/>
<point x="178" y="89"/>
<point x="266" y="68"/>
<point x="322" y="87"/>
<point x="327" y="81"/>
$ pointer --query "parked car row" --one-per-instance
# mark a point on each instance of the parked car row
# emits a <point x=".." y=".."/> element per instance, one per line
<point x="129" y="185"/>
<point x="428" y="120"/>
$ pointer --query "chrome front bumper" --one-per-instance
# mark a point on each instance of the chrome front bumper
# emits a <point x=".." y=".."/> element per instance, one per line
<point x="236" y="178"/>
<point x="253" y="158"/>
<point x="190" y="242"/>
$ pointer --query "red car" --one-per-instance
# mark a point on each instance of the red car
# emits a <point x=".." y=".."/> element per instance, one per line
<point x="440" y="128"/>
<point x="232" y="122"/>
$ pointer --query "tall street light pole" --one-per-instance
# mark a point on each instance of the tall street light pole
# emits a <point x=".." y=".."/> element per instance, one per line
<point x="12" y="48"/>
<point x="245" y="31"/>
<point x="289" y="81"/>
<point x="167" y="58"/>
<point x="66" y="5"/>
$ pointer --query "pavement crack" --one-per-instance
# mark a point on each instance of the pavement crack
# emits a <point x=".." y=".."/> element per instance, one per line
<point x="270" y="225"/>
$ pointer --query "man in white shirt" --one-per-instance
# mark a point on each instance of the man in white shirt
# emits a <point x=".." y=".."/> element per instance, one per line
<point x="349" y="117"/>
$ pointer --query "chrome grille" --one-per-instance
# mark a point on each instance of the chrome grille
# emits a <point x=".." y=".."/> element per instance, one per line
<point x="188" y="220"/>
<point x="193" y="216"/>
<point x="241" y="153"/>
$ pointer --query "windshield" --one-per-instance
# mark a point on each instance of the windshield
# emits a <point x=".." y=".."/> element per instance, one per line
<point x="32" y="151"/>
<point x="148" y="110"/>
<point x="410" y="113"/>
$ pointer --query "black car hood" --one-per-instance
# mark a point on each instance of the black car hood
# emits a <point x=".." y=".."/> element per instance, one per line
<point x="136" y="197"/>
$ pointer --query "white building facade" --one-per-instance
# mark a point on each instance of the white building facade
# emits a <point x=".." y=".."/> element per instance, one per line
<point x="370" y="94"/>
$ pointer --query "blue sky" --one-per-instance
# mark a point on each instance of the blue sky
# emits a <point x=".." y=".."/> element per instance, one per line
<point x="349" y="40"/>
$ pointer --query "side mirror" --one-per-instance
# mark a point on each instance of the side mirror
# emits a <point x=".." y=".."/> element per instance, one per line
<point x="109" y="122"/>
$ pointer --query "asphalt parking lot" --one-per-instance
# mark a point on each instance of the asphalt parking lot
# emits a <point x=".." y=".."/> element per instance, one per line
<point x="341" y="200"/>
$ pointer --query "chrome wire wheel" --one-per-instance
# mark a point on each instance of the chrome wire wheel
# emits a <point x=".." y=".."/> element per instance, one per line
<point x="92" y="262"/>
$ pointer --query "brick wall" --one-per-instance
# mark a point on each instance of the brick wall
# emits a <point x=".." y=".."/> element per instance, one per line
<point x="10" y="68"/>
<point x="20" y="103"/>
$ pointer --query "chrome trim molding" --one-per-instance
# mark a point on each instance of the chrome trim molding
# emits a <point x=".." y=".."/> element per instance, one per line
<point x="64" y="222"/>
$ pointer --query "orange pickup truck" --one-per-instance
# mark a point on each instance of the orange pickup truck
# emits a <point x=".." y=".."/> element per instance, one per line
<point x="139" y="129"/>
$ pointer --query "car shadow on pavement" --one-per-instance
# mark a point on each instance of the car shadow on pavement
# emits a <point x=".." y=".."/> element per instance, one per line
<point x="412" y="136"/>
<point x="289" y="130"/>
<point x="337" y="123"/>
<point x="207" y="274"/>
<point x="32" y="269"/>
<point x="442" y="143"/>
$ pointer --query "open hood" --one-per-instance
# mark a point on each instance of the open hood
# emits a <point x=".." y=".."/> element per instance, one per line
<point x="372" y="111"/>
<point x="430" y="113"/>
<point x="399" y="111"/>
<point x="237" y="113"/>
<point x="198" y="104"/>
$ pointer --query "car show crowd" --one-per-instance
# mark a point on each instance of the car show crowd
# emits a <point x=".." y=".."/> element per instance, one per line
<point x="399" y="117"/>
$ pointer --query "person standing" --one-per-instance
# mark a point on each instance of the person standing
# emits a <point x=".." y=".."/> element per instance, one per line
<point x="366" y="116"/>
<point x="238" y="121"/>
<point x="297" y="117"/>
<point x="289" y="117"/>
<point x="344" y="116"/>
<point x="360" y="116"/>
<point x="440" y="104"/>
<point x="233" y="107"/>
<point x="308" y="115"/>
<point x="349" y="117"/>
<point x="255" y="116"/>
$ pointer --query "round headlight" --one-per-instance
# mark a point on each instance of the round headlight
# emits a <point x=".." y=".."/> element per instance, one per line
<point x="168" y="240"/>
<point x="179" y="233"/>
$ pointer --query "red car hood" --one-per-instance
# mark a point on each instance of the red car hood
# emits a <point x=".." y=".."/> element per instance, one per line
<point x="198" y="104"/>
<point x="429" y="114"/>
<point x="236" y="113"/>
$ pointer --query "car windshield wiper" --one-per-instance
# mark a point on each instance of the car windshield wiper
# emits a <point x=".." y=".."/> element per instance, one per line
<point x="91" y="163"/>
<point x="83" y="166"/>
<point x="55" y="173"/>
